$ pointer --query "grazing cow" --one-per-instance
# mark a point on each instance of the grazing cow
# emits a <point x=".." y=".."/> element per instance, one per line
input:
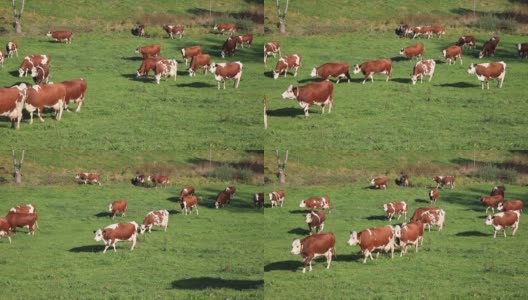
<point x="150" y="50"/>
<point x="498" y="190"/>
<point x="75" y="92"/>
<point x="229" y="47"/>
<point x="259" y="200"/>
<point x="503" y="220"/>
<point x="379" y="182"/>
<point x="381" y="238"/>
<point x="61" y="36"/>
<point x="276" y="198"/>
<point x="404" y="180"/>
<point x="315" y="220"/>
<point x="316" y="202"/>
<point x="186" y="191"/>
<point x="200" y="61"/>
<point x="487" y="71"/>
<point x="148" y="64"/>
<point x="46" y="95"/>
<point x="429" y="216"/>
<point x="271" y="48"/>
<point x="167" y="68"/>
<point x="118" y="206"/>
<point x="5" y="229"/>
<point x="245" y="39"/>
<point x="466" y="41"/>
<point x="24" y="209"/>
<point x="393" y="208"/>
<point x="225" y="196"/>
<point x="403" y="31"/>
<point x="451" y="54"/>
<point x="2" y="58"/>
<point x="139" y="30"/>
<point x="225" y="27"/>
<point x="12" y="102"/>
<point x="313" y="246"/>
<point x="285" y="63"/>
<point x="162" y="180"/>
<point x="410" y="234"/>
<point x="139" y="180"/>
<point x="40" y="74"/>
<point x="510" y="205"/>
<point x="16" y="219"/>
<point x="523" y="50"/>
<point x="88" y="178"/>
<point x="174" y="29"/>
<point x="422" y="30"/>
<point x="369" y="68"/>
<point x="339" y="70"/>
<point x="413" y="51"/>
<point x="489" y="47"/>
<point x="33" y="61"/>
<point x="491" y="202"/>
<point x="12" y="49"/>
<point x="155" y="218"/>
<point x="225" y="71"/>
<point x="318" y="93"/>
<point x="190" y="52"/>
<point x="445" y="180"/>
<point x="433" y="195"/>
<point x="114" y="233"/>
<point x="423" y="68"/>
<point x="188" y="203"/>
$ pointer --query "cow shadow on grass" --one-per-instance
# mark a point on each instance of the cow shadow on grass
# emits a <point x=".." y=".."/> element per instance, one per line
<point x="89" y="249"/>
<point x="402" y="80"/>
<point x="133" y="58"/>
<point x="421" y="201"/>
<point x="460" y="84"/>
<point x="310" y="80"/>
<point x="349" y="257"/>
<point x="286" y="265"/>
<point x="202" y="283"/>
<point x="286" y="112"/>
<point x="299" y="231"/>
<point x="196" y="84"/>
<point x="103" y="214"/>
<point x="379" y="218"/>
<point x="174" y="199"/>
<point x="399" y="58"/>
<point x="15" y="73"/>
<point x="267" y="74"/>
<point x="473" y="233"/>
<point x="173" y="212"/>
<point x="298" y="211"/>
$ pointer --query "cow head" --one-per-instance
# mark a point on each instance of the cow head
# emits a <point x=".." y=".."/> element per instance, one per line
<point x="500" y="206"/>
<point x="385" y="207"/>
<point x="215" y="27"/>
<point x="414" y="78"/>
<point x="396" y="230"/>
<point x="402" y="51"/>
<point x="357" y="69"/>
<point x="34" y="72"/>
<point x="98" y="235"/>
<point x="137" y="50"/>
<point x="471" y="69"/>
<point x="48" y="34"/>
<point x="309" y="217"/>
<point x="142" y="229"/>
<point x="489" y="220"/>
<point x="353" y="240"/>
<point x="444" y="53"/>
<point x="222" y="54"/>
<point x="296" y="247"/>
<point x="481" y="54"/>
<point x="314" y="72"/>
<point x="212" y="67"/>
<point x="289" y="93"/>
<point x="110" y="207"/>
<point x="302" y="204"/>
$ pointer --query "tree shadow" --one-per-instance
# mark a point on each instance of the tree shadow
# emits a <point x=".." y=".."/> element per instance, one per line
<point x="202" y="283"/>
<point x="473" y="233"/>
<point x="103" y="214"/>
<point x="299" y="231"/>
<point x="286" y="265"/>
<point x="196" y="84"/>
<point x="286" y="112"/>
<point x="461" y="85"/>
<point x="88" y="249"/>
<point x="380" y="218"/>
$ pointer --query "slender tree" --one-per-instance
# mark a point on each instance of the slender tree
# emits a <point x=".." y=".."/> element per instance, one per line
<point x="282" y="16"/>
<point x="18" y="16"/>
<point x="18" y="167"/>
<point x="282" y="167"/>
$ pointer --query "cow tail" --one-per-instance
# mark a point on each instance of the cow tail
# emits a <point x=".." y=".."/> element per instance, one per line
<point x="36" y="225"/>
<point x="334" y="252"/>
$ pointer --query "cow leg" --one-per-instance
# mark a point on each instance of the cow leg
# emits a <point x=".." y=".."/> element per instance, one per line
<point x="295" y="73"/>
<point x="106" y="247"/>
<point x="328" y="258"/>
<point x="495" y="234"/>
<point x="515" y="226"/>
<point x="134" y="237"/>
<point x="61" y="109"/>
<point x="504" y="231"/>
<point x="39" y="114"/>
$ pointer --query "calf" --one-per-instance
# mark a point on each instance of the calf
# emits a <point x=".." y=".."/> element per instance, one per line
<point x="339" y="70"/>
<point x="498" y="190"/>
<point x="244" y="39"/>
<point x="413" y="51"/>
<point x="429" y="216"/>
<point x="167" y="68"/>
<point x="5" y="229"/>
<point x="114" y="233"/>
<point x="225" y="71"/>
<point x="200" y="61"/>
<point x="466" y="41"/>
<point x="271" y="48"/>
<point x="510" y="205"/>
<point x="410" y="234"/>
<point x="259" y="200"/>
<point x="75" y="92"/>
<point x="444" y="180"/>
<point x="155" y="218"/>
<point x="318" y="93"/>
<point x="285" y="63"/>
<point x="88" y="178"/>
<point x="451" y="54"/>
<point x="118" y="206"/>
<point x="187" y="191"/>
<point x="32" y="61"/>
<point x="190" y="52"/>
<point x="12" y="102"/>
<point x="381" y="238"/>
<point x="61" y="36"/>
<point x="24" y="209"/>
<point x="46" y="95"/>
<point x="276" y="198"/>
<point x="174" y="29"/>
<point x="433" y="195"/>
<point x="188" y="203"/>
<point x="16" y="219"/>
<point x="379" y="182"/>
<point x="503" y="220"/>
<point x="489" y="47"/>
<point x="487" y="71"/>
<point x="225" y="27"/>
<point x="162" y="180"/>
<point x="423" y="68"/>
<point x="12" y="49"/>
<point x="491" y="202"/>
<point x="523" y="50"/>
<point x="229" y="47"/>
<point x="315" y="220"/>
<point x="393" y="208"/>
<point x="40" y="74"/>
<point x="148" y="64"/>
<point x="225" y="196"/>
<point x="150" y="50"/>
<point x="369" y="68"/>
<point x="316" y="202"/>
<point x="313" y="246"/>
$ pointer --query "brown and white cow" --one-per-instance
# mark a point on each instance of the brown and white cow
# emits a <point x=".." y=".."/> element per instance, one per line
<point x="41" y="96"/>
<point x="410" y="234"/>
<point x="422" y="30"/>
<point x="429" y="216"/>
<point x="433" y="195"/>
<point x="315" y="220"/>
<point x="118" y="206"/>
<point x="189" y="203"/>
<point x="503" y="220"/>
<point x="339" y="70"/>
<point x="317" y="202"/>
<point x="466" y="41"/>
<point x="259" y="200"/>
<point x="413" y="51"/>
<point x="381" y="238"/>
<point x="162" y="180"/>
<point x="61" y="36"/>
<point x="489" y="47"/>
<point x="12" y="102"/>
<point x="369" y="68"/>
<point x="5" y="228"/>
<point x="225" y="27"/>
<point x="379" y="182"/>
<point x="423" y="68"/>
<point x="174" y="29"/>
<point x="111" y="234"/>
<point x="498" y="190"/>
<point x="150" y="50"/>
<point x="287" y="62"/>
<point x="155" y="218"/>
<point x="167" y="68"/>
<point x="393" y="208"/>
<point x="445" y="180"/>
<point x="229" y="47"/>
<point x="488" y="71"/>
<point x="317" y="93"/>
<point x="40" y="74"/>
<point x="225" y="196"/>
<point x="523" y="50"/>
<point x="24" y="209"/>
<point x="148" y="64"/>
<point x="451" y="54"/>
<point x="75" y="92"/>
<point x="276" y="198"/>
<point x="224" y="71"/>
<point x="16" y="219"/>
<point x="313" y="246"/>
<point x="33" y="61"/>
<point x="491" y="202"/>
<point x="438" y="30"/>
<point x="271" y="48"/>
<point x="200" y="61"/>
<point x="510" y="205"/>
<point x="190" y="52"/>
<point x="12" y="49"/>
<point x="186" y="191"/>
<point x="88" y="178"/>
<point x="245" y="39"/>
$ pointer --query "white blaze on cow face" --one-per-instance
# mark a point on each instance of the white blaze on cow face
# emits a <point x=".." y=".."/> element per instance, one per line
<point x="353" y="240"/>
<point x="396" y="230"/>
<point x="314" y="72"/>
<point x="98" y="235"/>
<point x="471" y="69"/>
<point x="444" y="53"/>
<point x="303" y="204"/>
<point x="489" y="220"/>
<point x="288" y="94"/>
<point x="356" y="69"/>
<point x="110" y="207"/>
<point x="402" y="51"/>
<point x="296" y="247"/>
<point x="309" y="218"/>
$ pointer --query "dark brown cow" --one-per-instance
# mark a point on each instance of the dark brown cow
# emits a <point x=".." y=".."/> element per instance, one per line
<point x="139" y="30"/>
<point x="150" y="50"/>
<point x="488" y="71"/>
<point x="315" y="220"/>
<point x="33" y="61"/>
<point x="46" y="95"/>
<point x="317" y="202"/>
<point x="40" y="74"/>
<point x="167" y="68"/>
<point x="403" y="31"/>
<point x="489" y="47"/>
<point x="404" y="180"/>
<point x="311" y="247"/>
<point x="339" y="70"/>
<point x="12" y="102"/>
<point x="114" y="233"/>
<point x="75" y="92"/>
<point x="225" y="27"/>
<point x="16" y="219"/>
<point x="225" y="196"/>
<point x="259" y="200"/>
<point x="245" y="39"/>
<point x="148" y="64"/>
<point x="503" y="220"/>
<point x="451" y="54"/>
<point x="5" y="228"/>
<point x="174" y="29"/>
<point x="429" y="216"/>
<point x="445" y="180"/>
<point x="276" y="198"/>
<point x="200" y="61"/>
<point x="491" y="202"/>
<point x="188" y="203"/>
<point x="186" y="191"/>
<point x="162" y="180"/>
<point x="61" y="36"/>
<point x="229" y="47"/>
<point x="318" y="93"/>
<point x="413" y="51"/>
<point x="381" y="238"/>
<point x="523" y="50"/>
<point x="393" y="208"/>
<point x="12" y="49"/>
<point x="498" y="190"/>
<point x="88" y="178"/>
<point x="224" y="71"/>
<point x="410" y="234"/>
<point x="510" y="205"/>
<point x="433" y="195"/>
<point x="466" y="41"/>
<point x="285" y="63"/>
<point x="379" y="182"/>
<point x="118" y="206"/>
<point x="190" y="52"/>
<point x="369" y="68"/>
<point x="155" y="218"/>
<point x="423" y="68"/>
<point x="271" y="48"/>
<point x="24" y="209"/>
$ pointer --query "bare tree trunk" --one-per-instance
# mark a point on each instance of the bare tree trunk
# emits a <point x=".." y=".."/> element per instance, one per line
<point x="18" y="167"/>
<point x="282" y="16"/>
<point x="265" y="115"/>
<point x="282" y="167"/>
<point x="18" y="16"/>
